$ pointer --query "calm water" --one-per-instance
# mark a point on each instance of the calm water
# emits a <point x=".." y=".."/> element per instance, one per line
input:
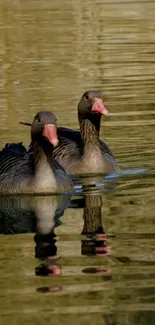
<point x="90" y="258"/>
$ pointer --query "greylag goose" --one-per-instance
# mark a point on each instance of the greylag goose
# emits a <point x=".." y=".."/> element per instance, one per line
<point x="82" y="152"/>
<point x="37" y="172"/>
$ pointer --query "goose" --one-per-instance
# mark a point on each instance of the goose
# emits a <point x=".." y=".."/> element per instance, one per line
<point x="82" y="152"/>
<point x="37" y="172"/>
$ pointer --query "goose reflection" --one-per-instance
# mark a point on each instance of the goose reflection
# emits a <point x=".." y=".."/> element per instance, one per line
<point x="47" y="214"/>
<point x="39" y="215"/>
<point x="29" y="214"/>
<point x="95" y="239"/>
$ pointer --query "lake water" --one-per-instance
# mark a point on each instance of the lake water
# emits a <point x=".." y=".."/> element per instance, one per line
<point x="87" y="259"/>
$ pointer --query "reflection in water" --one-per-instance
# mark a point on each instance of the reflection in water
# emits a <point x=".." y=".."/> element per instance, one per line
<point x="95" y="241"/>
<point x="41" y="215"/>
<point x="46" y="250"/>
<point x="45" y="238"/>
<point x="16" y="216"/>
<point x="27" y="214"/>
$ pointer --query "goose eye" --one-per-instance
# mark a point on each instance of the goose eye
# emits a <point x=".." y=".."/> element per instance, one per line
<point x="86" y="97"/>
<point x="39" y="120"/>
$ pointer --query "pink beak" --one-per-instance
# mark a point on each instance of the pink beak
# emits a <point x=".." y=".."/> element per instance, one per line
<point x="98" y="107"/>
<point x="50" y="132"/>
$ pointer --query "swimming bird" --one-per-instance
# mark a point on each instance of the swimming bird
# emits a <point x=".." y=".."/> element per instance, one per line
<point x="38" y="171"/>
<point x="82" y="152"/>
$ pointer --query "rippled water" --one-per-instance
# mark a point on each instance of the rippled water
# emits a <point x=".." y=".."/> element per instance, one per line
<point x="89" y="258"/>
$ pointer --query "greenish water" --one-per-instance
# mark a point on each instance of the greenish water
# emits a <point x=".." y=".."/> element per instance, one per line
<point x="96" y="248"/>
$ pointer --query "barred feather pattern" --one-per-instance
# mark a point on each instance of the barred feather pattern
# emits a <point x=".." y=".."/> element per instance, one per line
<point x="84" y="152"/>
<point x="15" y="171"/>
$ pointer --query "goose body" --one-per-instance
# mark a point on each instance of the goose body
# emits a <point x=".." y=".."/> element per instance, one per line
<point x="71" y="155"/>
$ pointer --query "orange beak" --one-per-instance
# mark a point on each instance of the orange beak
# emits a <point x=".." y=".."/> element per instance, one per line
<point x="50" y="132"/>
<point x="98" y="107"/>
